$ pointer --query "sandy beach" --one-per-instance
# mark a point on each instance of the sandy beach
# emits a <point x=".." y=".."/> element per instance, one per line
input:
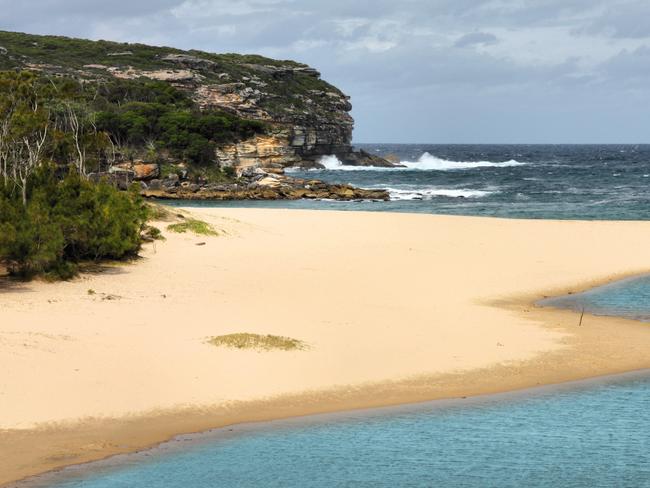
<point x="394" y="308"/>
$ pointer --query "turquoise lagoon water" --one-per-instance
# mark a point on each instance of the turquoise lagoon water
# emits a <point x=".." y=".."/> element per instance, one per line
<point x="594" y="434"/>
<point x="628" y="298"/>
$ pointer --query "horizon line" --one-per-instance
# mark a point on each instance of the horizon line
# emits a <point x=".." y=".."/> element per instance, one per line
<point x="508" y="143"/>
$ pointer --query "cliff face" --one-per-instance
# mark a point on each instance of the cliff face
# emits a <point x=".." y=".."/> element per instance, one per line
<point x="314" y="124"/>
<point x="305" y="116"/>
<point x="308" y="118"/>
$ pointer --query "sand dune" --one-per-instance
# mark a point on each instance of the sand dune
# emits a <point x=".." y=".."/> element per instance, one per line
<point x="393" y="307"/>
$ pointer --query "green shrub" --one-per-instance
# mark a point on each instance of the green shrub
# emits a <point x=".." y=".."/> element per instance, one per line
<point x="65" y="222"/>
<point x="187" y="134"/>
<point x="151" y="233"/>
<point x="30" y="242"/>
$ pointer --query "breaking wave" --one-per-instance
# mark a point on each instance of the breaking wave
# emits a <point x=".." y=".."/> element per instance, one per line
<point x="430" y="193"/>
<point x="333" y="163"/>
<point x="426" y="162"/>
<point x="430" y="162"/>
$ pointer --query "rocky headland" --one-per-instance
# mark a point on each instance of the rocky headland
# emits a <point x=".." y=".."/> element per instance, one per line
<point x="303" y="118"/>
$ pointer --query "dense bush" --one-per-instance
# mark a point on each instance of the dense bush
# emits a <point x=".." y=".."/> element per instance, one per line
<point x="187" y="134"/>
<point x="65" y="222"/>
<point x="118" y="91"/>
<point x="88" y="122"/>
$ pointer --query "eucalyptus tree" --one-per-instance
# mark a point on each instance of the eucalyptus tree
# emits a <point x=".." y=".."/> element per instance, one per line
<point x="24" y="129"/>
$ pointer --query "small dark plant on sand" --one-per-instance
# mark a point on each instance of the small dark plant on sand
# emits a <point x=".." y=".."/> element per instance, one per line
<point x="257" y="342"/>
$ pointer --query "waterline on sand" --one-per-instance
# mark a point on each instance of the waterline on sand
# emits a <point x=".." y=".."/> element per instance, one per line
<point x="534" y="429"/>
<point x="627" y="298"/>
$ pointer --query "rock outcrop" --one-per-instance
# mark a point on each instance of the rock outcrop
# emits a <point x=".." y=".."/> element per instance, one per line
<point x="252" y="184"/>
<point x="137" y="170"/>
<point x="304" y="118"/>
<point x="292" y="189"/>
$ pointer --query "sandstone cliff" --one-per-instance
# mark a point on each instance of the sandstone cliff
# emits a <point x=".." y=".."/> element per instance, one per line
<point x="305" y="117"/>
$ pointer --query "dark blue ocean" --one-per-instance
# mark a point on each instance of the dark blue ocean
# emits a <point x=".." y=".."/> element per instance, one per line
<point x="519" y="181"/>
<point x="588" y="435"/>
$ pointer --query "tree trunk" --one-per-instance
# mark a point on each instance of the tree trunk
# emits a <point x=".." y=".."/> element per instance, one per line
<point x="24" y="193"/>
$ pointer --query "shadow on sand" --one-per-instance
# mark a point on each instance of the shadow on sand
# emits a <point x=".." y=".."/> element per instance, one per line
<point x="107" y="268"/>
<point x="9" y="284"/>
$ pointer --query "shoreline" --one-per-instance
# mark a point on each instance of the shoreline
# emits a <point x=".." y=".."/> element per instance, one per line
<point x="179" y="443"/>
<point x="573" y="360"/>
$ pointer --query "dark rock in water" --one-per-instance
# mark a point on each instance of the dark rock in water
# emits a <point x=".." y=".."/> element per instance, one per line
<point x="393" y="158"/>
<point x="364" y="158"/>
<point x="307" y="164"/>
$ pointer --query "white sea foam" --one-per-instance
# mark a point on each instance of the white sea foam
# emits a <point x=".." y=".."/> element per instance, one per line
<point x="332" y="163"/>
<point x="430" y="193"/>
<point x="430" y="162"/>
<point x="426" y="162"/>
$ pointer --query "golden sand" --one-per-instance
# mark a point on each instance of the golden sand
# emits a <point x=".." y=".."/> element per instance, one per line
<point x="393" y="308"/>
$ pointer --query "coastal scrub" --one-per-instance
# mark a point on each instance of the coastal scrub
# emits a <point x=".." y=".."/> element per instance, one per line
<point x="64" y="222"/>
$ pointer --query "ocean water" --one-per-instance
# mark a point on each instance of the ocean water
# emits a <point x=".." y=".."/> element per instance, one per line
<point x="590" y="182"/>
<point x="577" y="436"/>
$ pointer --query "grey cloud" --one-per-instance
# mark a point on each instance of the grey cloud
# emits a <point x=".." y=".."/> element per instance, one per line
<point x="628" y="67"/>
<point x="93" y="10"/>
<point x="475" y="38"/>
<point x="629" y="19"/>
<point x="538" y="58"/>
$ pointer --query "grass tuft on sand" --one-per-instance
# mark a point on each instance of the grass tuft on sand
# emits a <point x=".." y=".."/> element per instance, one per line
<point x="195" y="226"/>
<point x="257" y="342"/>
<point x="159" y="213"/>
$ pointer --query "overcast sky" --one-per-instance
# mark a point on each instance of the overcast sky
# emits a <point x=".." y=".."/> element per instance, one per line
<point x="440" y="71"/>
